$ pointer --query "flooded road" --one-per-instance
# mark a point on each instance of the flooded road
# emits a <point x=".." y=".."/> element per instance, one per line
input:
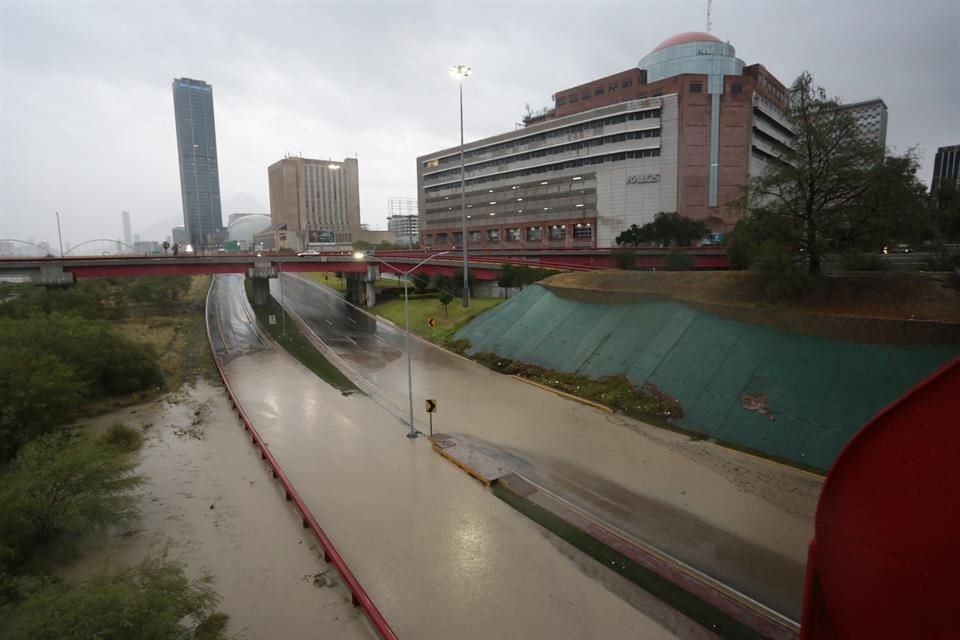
<point x="737" y="518"/>
<point x="437" y="553"/>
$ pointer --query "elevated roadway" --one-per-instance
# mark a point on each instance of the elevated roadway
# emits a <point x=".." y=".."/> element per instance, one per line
<point x="483" y="264"/>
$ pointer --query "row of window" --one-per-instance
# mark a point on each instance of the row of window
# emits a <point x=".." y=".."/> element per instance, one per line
<point x="505" y="148"/>
<point x="542" y="153"/>
<point x="772" y="88"/>
<point x="597" y="91"/>
<point x="550" y="168"/>
<point x="555" y="233"/>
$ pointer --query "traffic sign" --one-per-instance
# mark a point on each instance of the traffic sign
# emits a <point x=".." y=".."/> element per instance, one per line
<point x="431" y="322"/>
<point x="431" y="406"/>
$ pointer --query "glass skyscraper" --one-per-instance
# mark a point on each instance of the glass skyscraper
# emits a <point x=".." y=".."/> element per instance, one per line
<point x="197" y="150"/>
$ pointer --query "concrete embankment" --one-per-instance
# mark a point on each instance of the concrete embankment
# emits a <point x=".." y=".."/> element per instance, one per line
<point x="779" y="393"/>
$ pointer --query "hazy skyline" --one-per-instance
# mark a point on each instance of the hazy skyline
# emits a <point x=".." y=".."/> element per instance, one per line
<point x="86" y="110"/>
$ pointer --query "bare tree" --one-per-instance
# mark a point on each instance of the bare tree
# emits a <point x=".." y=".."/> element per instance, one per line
<point x="813" y="189"/>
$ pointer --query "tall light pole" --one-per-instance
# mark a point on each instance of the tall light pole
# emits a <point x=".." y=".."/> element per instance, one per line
<point x="59" y="235"/>
<point x="460" y="72"/>
<point x="406" y="312"/>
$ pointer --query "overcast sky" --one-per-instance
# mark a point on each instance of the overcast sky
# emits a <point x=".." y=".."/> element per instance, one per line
<point x="86" y="106"/>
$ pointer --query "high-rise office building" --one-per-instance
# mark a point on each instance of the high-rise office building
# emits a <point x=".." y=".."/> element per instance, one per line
<point x="127" y="234"/>
<point x="870" y="117"/>
<point x="197" y="149"/>
<point x="317" y="199"/>
<point x="946" y="169"/>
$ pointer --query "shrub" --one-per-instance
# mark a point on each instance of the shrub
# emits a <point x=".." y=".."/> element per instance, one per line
<point x="679" y="261"/>
<point x="152" y="601"/>
<point x="625" y="257"/>
<point x="61" y="486"/>
<point x="122" y="438"/>
<point x="864" y="262"/>
<point x="943" y="260"/>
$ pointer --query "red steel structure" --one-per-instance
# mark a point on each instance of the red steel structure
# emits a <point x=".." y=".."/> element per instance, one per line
<point x="884" y="562"/>
<point x="485" y="264"/>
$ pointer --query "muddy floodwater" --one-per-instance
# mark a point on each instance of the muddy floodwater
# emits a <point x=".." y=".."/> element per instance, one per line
<point x="211" y="502"/>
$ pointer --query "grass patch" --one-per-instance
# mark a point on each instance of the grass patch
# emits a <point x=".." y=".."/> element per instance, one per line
<point x="296" y="344"/>
<point x="331" y="280"/>
<point x="122" y="438"/>
<point x="647" y="403"/>
<point x="422" y="309"/>
<point x="179" y="333"/>
<point x="688" y="604"/>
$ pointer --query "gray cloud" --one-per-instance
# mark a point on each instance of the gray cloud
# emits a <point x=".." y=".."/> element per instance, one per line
<point x="86" y="113"/>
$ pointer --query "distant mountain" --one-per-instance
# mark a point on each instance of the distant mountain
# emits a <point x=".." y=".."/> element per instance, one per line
<point x="241" y="203"/>
<point x="236" y="203"/>
<point x="160" y="231"/>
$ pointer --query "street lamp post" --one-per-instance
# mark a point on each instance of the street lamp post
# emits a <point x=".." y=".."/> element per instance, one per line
<point x="460" y="72"/>
<point x="406" y="312"/>
<point x="59" y="235"/>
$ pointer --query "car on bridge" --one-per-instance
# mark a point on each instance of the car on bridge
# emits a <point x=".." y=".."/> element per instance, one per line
<point x="308" y="252"/>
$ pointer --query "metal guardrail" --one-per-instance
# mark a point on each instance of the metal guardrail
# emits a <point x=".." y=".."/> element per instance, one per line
<point x="330" y="553"/>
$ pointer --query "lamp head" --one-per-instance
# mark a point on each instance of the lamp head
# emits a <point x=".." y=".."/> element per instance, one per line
<point x="460" y="71"/>
<point x="358" y="255"/>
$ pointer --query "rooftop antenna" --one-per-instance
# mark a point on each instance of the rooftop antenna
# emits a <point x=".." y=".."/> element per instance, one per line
<point x="709" y="8"/>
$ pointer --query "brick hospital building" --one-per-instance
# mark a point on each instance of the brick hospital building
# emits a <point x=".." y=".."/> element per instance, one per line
<point x="682" y="131"/>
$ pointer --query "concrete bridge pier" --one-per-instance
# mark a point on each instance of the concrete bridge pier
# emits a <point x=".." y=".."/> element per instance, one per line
<point x="52" y="275"/>
<point x="361" y="288"/>
<point x="260" y="275"/>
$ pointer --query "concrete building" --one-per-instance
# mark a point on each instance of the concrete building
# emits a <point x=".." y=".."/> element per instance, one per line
<point x="197" y="150"/>
<point x="946" y="169"/>
<point x="179" y="236"/>
<point x="317" y="201"/>
<point x="683" y="131"/>
<point x="127" y="234"/>
<point x="403" y="219"/>
<point x="871" y="120"/>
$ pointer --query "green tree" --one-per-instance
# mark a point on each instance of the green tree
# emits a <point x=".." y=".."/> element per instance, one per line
<point x="109" y="362"/>
<point x="673" y="229"/>
<point x="507" y="277"/>
<point x="63" y="485"/>
<point x="667" y="228"/>
<point x="420" y="284"/>
<point x="831" y="190"/>
<point x="625" y="257"/>
<point x="633" y="235"/>
<point x="152" y="601"/>
<point x="38" y="391"/>
<point x="945" y="214"/>
<point x="679" y="261"/>
<point x="166" y="246"/>
<point x="445" y="299"/>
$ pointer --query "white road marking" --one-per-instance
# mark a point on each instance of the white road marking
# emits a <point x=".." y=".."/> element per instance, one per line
<point x="328" y="322"/>
<point x="352" y="320"/>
